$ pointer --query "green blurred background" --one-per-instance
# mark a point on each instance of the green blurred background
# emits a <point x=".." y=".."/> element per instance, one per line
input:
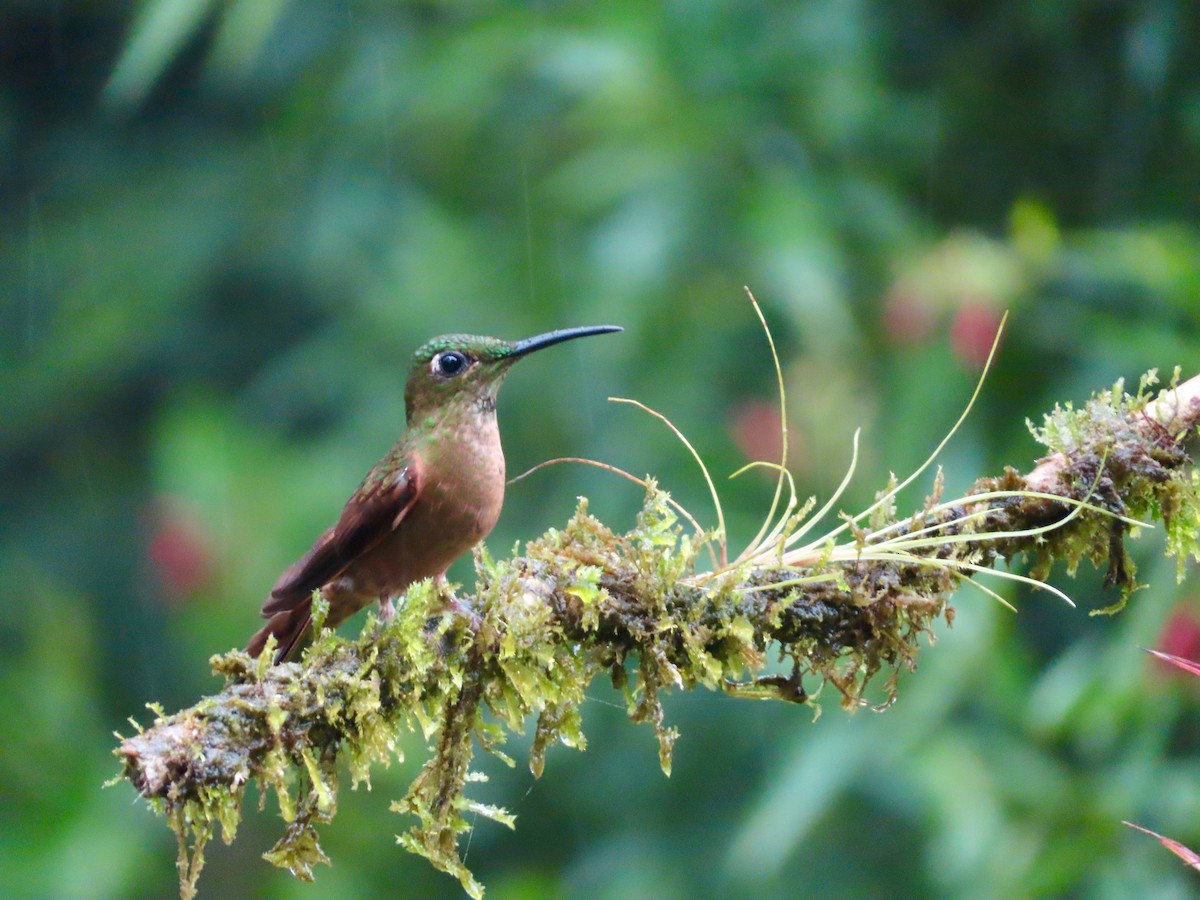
<point x="226" y="225"/>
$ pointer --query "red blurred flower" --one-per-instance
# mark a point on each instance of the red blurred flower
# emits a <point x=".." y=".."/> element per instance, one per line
<point x="1179" y="637"/>
<point x="179" y="550"/>
<point x="907" y="318"/>
<point x="754" y="427"/>
<point x="972" y="333"/>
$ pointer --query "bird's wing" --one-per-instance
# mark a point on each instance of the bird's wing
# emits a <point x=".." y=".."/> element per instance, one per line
<point x="370" y="515"/>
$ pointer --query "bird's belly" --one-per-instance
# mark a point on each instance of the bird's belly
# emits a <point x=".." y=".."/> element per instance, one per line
<point x="435" y="532"/>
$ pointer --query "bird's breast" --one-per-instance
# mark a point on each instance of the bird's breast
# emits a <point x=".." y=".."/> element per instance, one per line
<point x="460" y="494"/>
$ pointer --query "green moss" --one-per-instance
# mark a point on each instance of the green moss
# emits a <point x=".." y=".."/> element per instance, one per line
<point x="298" y="851"/>
<point x="585" y="600"/>
<point x="1123" y="461"/>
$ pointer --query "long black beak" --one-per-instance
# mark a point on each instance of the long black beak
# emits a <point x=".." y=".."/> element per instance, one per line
<point x="520" y="348"/>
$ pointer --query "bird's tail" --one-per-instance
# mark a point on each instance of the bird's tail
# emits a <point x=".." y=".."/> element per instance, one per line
<point x="289" y="627"/>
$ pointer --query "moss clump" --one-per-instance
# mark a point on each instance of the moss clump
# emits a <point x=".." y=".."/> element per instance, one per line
<point x="1124" y="460"/>
<point x="585" y="600"/>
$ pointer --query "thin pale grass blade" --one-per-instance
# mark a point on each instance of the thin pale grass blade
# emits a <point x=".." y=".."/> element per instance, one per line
<point x="943" y="564"/>
<point x="953" y="567"/>
<point x="1005" y="495"/>
<point x="811" y="522"/>
<point x="941" y="446"/>
<point x="784" y="473"/>
<point x="987" y="590"/>
<point x="783" y="427"/>
<point x="904" y="544"/>
<point x="1187" y="855"/>
<point x="712" y="488"/>
<point x="907" y="559"/>
<point x="616" y="470"/>
<point x="872" y="540"/>
<point x="1010" y="576"/>
<point x="791" y="582"/>
<point x="775" y="535"/>
<point x="1188" y="665"/>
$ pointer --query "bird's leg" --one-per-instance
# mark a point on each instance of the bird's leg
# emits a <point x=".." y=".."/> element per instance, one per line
<point x="451" y="603"/>
<point x="387" y="608"/>
<point x="446" y="592"/>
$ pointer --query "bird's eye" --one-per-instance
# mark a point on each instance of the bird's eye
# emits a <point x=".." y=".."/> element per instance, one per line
<point x="449" y="363"/>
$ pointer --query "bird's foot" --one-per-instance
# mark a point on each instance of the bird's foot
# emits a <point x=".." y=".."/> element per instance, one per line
<point x="445" y="591"/>
<point x="387" y="608"/>
<point x="451" y="604"/>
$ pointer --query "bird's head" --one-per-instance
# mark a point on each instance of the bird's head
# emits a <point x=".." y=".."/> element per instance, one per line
<point x="455" y="368"/>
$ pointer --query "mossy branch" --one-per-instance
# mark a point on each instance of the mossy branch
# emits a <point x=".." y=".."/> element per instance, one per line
<point x="585" y="601"/>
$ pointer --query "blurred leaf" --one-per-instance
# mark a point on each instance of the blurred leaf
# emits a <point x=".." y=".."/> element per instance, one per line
<point x="160" y="30"/>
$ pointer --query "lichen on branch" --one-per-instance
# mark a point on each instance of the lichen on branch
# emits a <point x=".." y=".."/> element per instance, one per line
<point x="585" y="601"/>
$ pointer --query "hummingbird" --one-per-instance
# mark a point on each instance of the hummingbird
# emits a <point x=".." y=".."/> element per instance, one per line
<point x="430" y="499"/>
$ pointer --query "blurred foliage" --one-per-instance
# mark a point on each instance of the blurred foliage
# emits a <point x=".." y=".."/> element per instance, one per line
<point x="226" y="223"/>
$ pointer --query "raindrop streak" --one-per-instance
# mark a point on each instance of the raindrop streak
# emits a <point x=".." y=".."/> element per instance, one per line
<point x="560" y="258"/>
<point x="931" y="163"/>
<point x="56" y="42"/>
<point x="383" y="115"/>
<point x="35" y="246"/>
<point x="91" y="262"/>
<point x="274" y="158"/>
<point x="528" y="230"/>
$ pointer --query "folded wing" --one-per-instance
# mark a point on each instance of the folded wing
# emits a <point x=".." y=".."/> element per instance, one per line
<point x="371" y="514"/>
